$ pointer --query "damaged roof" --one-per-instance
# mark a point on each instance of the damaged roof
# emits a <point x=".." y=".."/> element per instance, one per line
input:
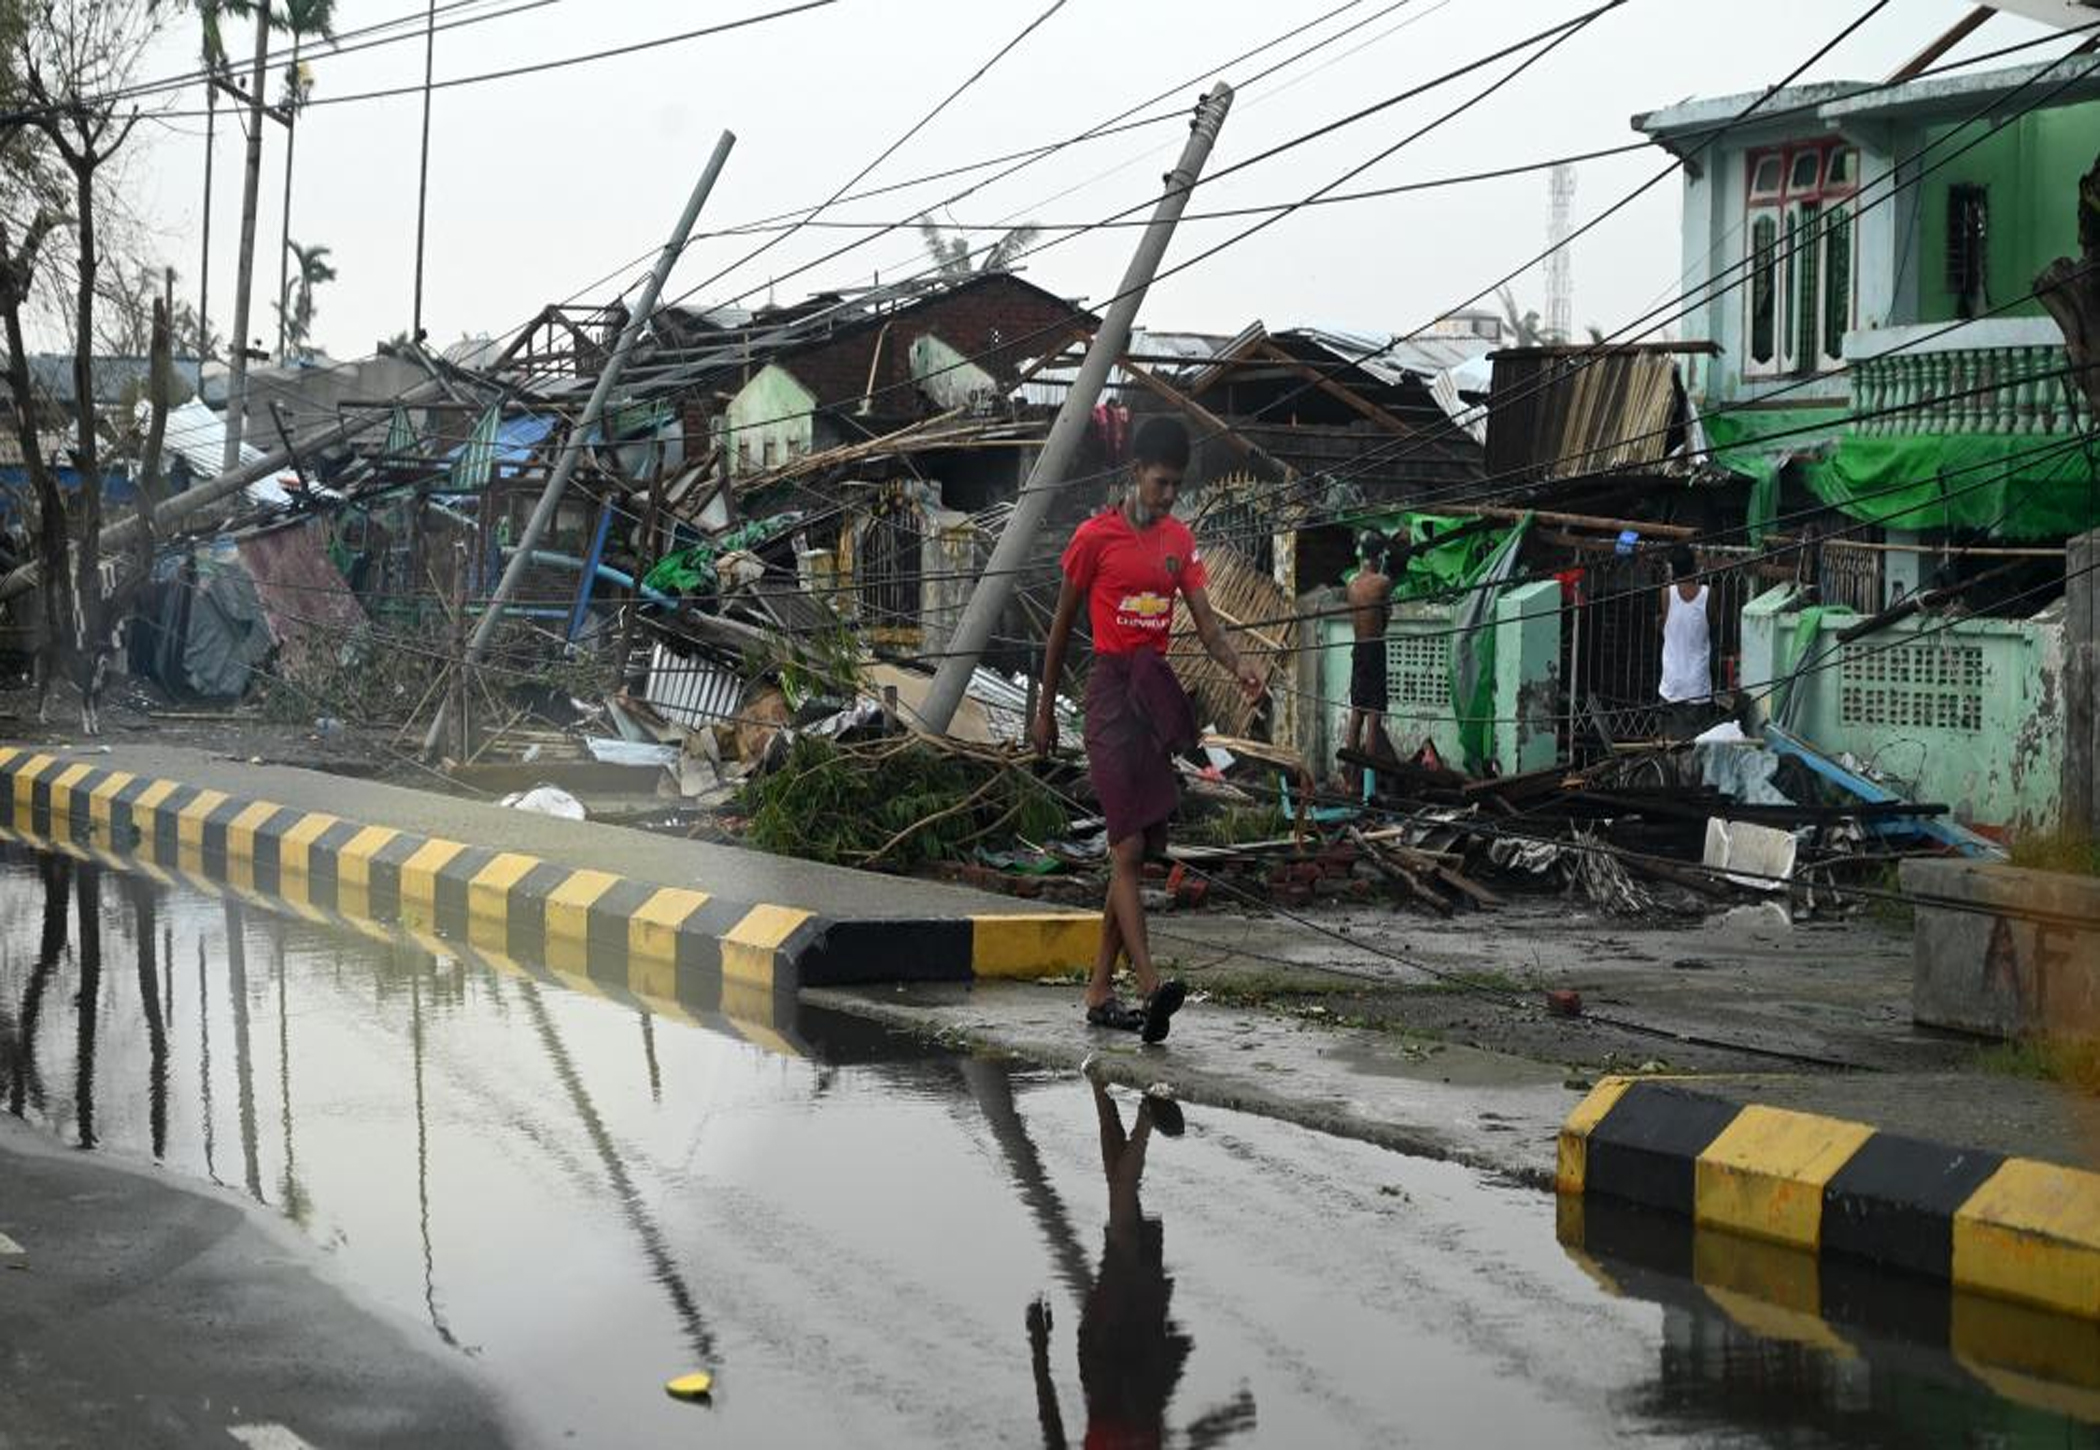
<point x="114" y="379"/>
<point x="827" y="320"/>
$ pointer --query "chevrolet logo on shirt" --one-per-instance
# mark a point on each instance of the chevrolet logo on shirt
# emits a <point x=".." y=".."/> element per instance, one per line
<point x="1145" y="607"/>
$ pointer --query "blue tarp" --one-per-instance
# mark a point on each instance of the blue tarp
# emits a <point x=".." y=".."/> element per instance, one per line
<point x="516" y="440"/>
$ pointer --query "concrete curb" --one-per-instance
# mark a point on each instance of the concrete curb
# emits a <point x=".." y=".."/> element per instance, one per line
<point x="508" y="902"/>
<point x="764" y="1019"/>
<point x="2010" y="1227"/>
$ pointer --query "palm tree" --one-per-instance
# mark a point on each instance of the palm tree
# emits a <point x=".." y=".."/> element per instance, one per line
<point x="295" y="309"/>
<point x="211" y="50"/>
<point x="951" y="252"/>
<point x="299" y="18"/>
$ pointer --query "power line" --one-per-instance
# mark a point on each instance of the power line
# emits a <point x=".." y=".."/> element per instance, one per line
<point x="1710" y="291"/>
<point x="533" y="68"/>
<point x="1713" y="131"/>
<point x="888" y="151"/>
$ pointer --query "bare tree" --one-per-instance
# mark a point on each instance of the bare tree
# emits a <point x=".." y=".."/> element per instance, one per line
<point x="69" y="66"/>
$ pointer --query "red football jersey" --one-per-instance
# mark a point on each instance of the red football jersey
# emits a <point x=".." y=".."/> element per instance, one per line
<point x="1130" y="577"/>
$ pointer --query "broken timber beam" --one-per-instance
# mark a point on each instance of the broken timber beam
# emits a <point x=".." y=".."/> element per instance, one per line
<point x="1325" y="382"/>
<point x="1237" y="441"/>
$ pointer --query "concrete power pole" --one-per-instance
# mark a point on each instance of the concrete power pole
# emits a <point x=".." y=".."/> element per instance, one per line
<point x="244" y="279"/>
<point x="1560" y="267"/>
<point x="989" y="599"/>
<point x="572" y="445"/>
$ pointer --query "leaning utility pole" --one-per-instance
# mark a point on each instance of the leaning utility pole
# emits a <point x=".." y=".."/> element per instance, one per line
<point x="415" y="328"/>
<point x="996" y="585"/>
<point x="573" y="444"/>
<point x="284" y="240"/>
<point x="244" y="278"/>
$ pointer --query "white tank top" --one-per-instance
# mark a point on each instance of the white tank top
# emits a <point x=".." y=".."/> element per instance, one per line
<point x="1687" y="649"/>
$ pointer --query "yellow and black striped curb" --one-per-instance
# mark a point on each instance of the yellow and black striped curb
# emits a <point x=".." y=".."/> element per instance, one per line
<point x="1982" y="1221"/>
<point x="509" y="901"/>
<point x="765" y="1019"/>
<point x="1848" y="1309"/>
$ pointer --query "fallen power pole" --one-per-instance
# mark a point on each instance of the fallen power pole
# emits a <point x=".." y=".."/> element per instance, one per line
<point x="996" y="585"/>
<point x="572" y="446"/>
<point x="203" y="496"/>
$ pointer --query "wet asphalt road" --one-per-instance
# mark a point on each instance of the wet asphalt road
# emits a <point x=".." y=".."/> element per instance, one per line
<point x="474" y="1200"/>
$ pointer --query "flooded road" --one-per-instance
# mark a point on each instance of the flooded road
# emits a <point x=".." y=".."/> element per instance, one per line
<point x="573" y="1198"/>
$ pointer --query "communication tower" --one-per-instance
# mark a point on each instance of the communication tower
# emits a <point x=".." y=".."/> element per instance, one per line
<point x="1560" y="269"/>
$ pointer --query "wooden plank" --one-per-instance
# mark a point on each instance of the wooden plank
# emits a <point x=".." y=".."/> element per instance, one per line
<point x="1326" y="384"/>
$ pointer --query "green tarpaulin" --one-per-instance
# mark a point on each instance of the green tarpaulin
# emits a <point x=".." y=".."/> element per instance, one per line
<point x="1476" y="568"/>
<point x="2013" y="486"/>
<point x="692" y="571"/>
<point x="1757" y="443"/>
<point x="1431" y="569"/>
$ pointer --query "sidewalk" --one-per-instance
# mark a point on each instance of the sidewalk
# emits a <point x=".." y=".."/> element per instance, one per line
<point x="1426" y="1035"/>
<point x="146" y="1310"/>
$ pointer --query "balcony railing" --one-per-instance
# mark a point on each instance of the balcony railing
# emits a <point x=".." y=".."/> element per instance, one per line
<point x="2004" y="376"/>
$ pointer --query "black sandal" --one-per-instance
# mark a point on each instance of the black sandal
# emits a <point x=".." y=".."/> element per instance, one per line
<point x="1160" y="1007"/>
<point x="1113" y="1014"/>
<point x="1165" y="1114"/>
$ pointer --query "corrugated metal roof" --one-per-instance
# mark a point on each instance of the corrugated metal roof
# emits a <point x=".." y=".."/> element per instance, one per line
<point x="198" y="436"/>
<point x="1046" y="389"/>
<point x="1393" y="359"/>
<point x="692" y="692"/>
<point x="1389" y="359"/>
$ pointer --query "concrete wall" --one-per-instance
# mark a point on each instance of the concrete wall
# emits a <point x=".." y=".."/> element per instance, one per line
<point x="1969" y="715"/>
<point x="314" y="396"/>
<point x="2015" y="953"/>
<point x="2081" y="777"/>
<point x="947" y="377"/>
<point x="2030" y="170"/>
<point x="1527" y="676"/>
<point x="769" y="422"/>
<point x="1419" y="642"/>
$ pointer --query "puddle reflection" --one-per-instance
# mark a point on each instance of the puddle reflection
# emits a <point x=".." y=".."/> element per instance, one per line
<point x="1762" y="1334"/>
<point x="1131" y="1350"/>
<point x="871" y="1240"/>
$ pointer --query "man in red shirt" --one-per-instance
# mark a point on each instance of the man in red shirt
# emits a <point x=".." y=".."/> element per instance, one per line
<point x="1125" y="565"/>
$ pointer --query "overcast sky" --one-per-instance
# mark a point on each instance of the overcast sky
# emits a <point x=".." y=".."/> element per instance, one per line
<point x="543" y="184"/>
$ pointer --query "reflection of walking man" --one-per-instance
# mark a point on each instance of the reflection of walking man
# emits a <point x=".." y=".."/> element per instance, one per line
<point x="1131" y="1353"/>
<point x="1370" y="596"/>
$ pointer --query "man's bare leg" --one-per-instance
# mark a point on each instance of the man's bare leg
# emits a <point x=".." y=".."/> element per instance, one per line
<point x="1126" y="908"/>
<point x="1101" y="985"/>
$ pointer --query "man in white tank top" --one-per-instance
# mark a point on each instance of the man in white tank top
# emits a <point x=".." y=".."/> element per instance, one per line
<point x="1687" y="656"/>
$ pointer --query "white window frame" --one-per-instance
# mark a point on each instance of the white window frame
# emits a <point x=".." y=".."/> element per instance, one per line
<point x="1790" y="208"/>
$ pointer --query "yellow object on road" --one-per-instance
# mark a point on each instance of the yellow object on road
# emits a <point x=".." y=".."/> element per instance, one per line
<point x="695" y="1386"/>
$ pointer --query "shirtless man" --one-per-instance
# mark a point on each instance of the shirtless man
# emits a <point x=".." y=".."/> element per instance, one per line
<point x="1370" y="610"/>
